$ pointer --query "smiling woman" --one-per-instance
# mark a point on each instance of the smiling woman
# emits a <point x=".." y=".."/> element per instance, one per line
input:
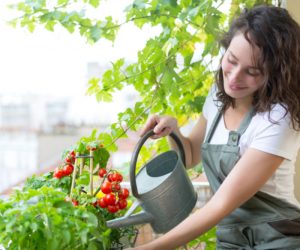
<point x="247" y="138"/>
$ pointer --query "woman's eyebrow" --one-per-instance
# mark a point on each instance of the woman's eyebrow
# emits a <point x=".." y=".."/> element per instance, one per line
<point x="233" y="55"/>
<point x="250" y="66"/>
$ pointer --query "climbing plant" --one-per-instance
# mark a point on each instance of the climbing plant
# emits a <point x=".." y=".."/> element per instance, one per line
<point x="174" y="70"/>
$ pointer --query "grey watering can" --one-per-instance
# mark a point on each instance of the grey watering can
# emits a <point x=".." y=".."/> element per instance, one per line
<point x="161" y="187"/>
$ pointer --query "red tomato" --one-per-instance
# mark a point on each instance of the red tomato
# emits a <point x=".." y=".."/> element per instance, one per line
<point x="72" y="154"/>
<point x="102" y="172"/>
<point x="115" y="186"/>
<point x="122" y="204"/>
<point x="68" y="169"/>
<point x="113" y="208"/>
<point x="58" y="173"/>
<point x="117" y="177"/>
<point x="101" y="203"/>
<point x="69" y="160"/>
<point x="109" y="177"/>
<point x="106" y="187"/>
<point x="110" y="199"/>
<point x="123" y="193"/>
<point x="75" y="203"/>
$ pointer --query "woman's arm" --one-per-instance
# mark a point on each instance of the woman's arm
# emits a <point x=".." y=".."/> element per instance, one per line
<point x="192" y="143"/>
<point x="246" y="178"/>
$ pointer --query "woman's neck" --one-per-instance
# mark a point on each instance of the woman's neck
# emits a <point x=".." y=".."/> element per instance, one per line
<point x="242" y="106"/>
<point x="233" y="116"/>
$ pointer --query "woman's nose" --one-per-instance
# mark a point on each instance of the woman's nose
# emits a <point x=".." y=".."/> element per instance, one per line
<point x="235" y="75"/>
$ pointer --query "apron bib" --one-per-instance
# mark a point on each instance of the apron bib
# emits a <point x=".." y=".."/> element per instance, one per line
<point x="263" y="222"/>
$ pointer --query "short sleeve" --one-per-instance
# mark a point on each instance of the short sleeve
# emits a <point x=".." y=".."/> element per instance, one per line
<point x="209" y="104"/>
<point x="275" y="135"/>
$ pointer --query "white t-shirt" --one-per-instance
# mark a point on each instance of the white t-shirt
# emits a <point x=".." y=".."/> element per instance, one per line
<point x="275" y="138"/>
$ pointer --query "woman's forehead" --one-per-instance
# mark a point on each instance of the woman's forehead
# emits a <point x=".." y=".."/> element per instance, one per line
<point x="244" y="48"/>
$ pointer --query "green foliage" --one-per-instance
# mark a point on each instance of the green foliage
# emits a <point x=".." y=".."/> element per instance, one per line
<point x="46" y="214"/>
<point x="42" y="219"/>
<point x="209" y="238"/>
<point x="171" y="74"/>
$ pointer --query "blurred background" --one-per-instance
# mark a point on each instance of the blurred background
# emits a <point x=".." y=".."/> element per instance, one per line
<point x="43" y="106"/>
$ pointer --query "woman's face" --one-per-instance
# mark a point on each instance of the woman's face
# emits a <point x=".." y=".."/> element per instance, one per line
<point x="242" y="77"/>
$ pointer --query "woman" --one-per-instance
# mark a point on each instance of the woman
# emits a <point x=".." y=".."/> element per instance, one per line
<point x="247" y="139"/>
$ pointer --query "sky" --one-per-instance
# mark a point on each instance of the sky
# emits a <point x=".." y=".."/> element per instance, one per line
<point x="55" y="62"/>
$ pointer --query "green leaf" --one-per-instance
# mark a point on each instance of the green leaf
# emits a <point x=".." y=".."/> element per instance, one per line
<point x="95" y="33"/>
<point x="62" y="2"/>
<point x="103" y="96"/>
<point x="93" y="86"/>
<point x="31" y="26"/>
<point x="66" y="236"/>
<point x="62" y="204"/>
<point x="70" y="27"/>
<point x="94" y="3"/>
<point x="84" y="236"/>
<point x="185" y="3"/>
<point x="50" y="25"/>
<point x="53" y="244"/>
<point x="83" y="179"/>
<point x="108" y="141"/>
<point x="92" y="219"/>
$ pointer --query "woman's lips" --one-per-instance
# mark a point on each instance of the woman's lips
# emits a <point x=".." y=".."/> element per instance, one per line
<point x="236" y="87"/>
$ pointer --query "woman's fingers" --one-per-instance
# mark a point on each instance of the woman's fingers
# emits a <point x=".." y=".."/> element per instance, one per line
<point x="166" y="131"/>
<point x="150" y="124"/>
<point x="161" y="125"/>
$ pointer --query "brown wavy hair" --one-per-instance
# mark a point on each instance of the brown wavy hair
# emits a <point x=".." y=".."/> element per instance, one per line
<point x="277" y="34"/>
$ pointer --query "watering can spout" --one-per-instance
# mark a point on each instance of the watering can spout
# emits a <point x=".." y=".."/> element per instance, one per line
<point x="134" y="219"/>
<point x="131" y="219"/>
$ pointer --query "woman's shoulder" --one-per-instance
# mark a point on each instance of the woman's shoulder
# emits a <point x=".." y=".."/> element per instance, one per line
<point x="276" y="122"/>
<point x="272" y="132"/>
<point x="211" y="105"/>
<point x="278" y="114"/>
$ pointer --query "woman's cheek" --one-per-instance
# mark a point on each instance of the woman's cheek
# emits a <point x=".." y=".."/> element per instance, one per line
<point x="226" y="67"/>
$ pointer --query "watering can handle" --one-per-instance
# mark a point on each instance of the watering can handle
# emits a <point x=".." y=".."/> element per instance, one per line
<point x="136" y="153"/>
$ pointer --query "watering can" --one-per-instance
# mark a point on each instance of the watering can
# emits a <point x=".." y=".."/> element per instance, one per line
<point x="162" y="189"/>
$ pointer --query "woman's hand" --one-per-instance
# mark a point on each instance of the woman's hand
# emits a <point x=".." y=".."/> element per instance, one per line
<point x="161" y="125"/>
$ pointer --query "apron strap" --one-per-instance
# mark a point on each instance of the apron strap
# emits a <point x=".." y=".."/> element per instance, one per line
<point x="246" y="121"/>
<point x="234" y="136"/>
<point x="213" y="126"/>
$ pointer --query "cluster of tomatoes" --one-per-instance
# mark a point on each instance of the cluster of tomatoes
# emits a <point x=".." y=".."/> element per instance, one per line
<point x="67" y="168"/>
<point x="114" y="196"/>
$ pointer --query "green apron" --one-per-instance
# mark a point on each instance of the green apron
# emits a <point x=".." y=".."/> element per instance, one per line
<point x="263" y="222"/>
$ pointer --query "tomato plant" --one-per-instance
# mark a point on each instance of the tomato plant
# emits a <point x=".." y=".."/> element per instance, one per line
<point x="60" y="209"/>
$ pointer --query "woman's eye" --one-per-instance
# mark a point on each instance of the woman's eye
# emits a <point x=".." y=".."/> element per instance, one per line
<point x="253" y="72"/>
<point x="231" y="61"/>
